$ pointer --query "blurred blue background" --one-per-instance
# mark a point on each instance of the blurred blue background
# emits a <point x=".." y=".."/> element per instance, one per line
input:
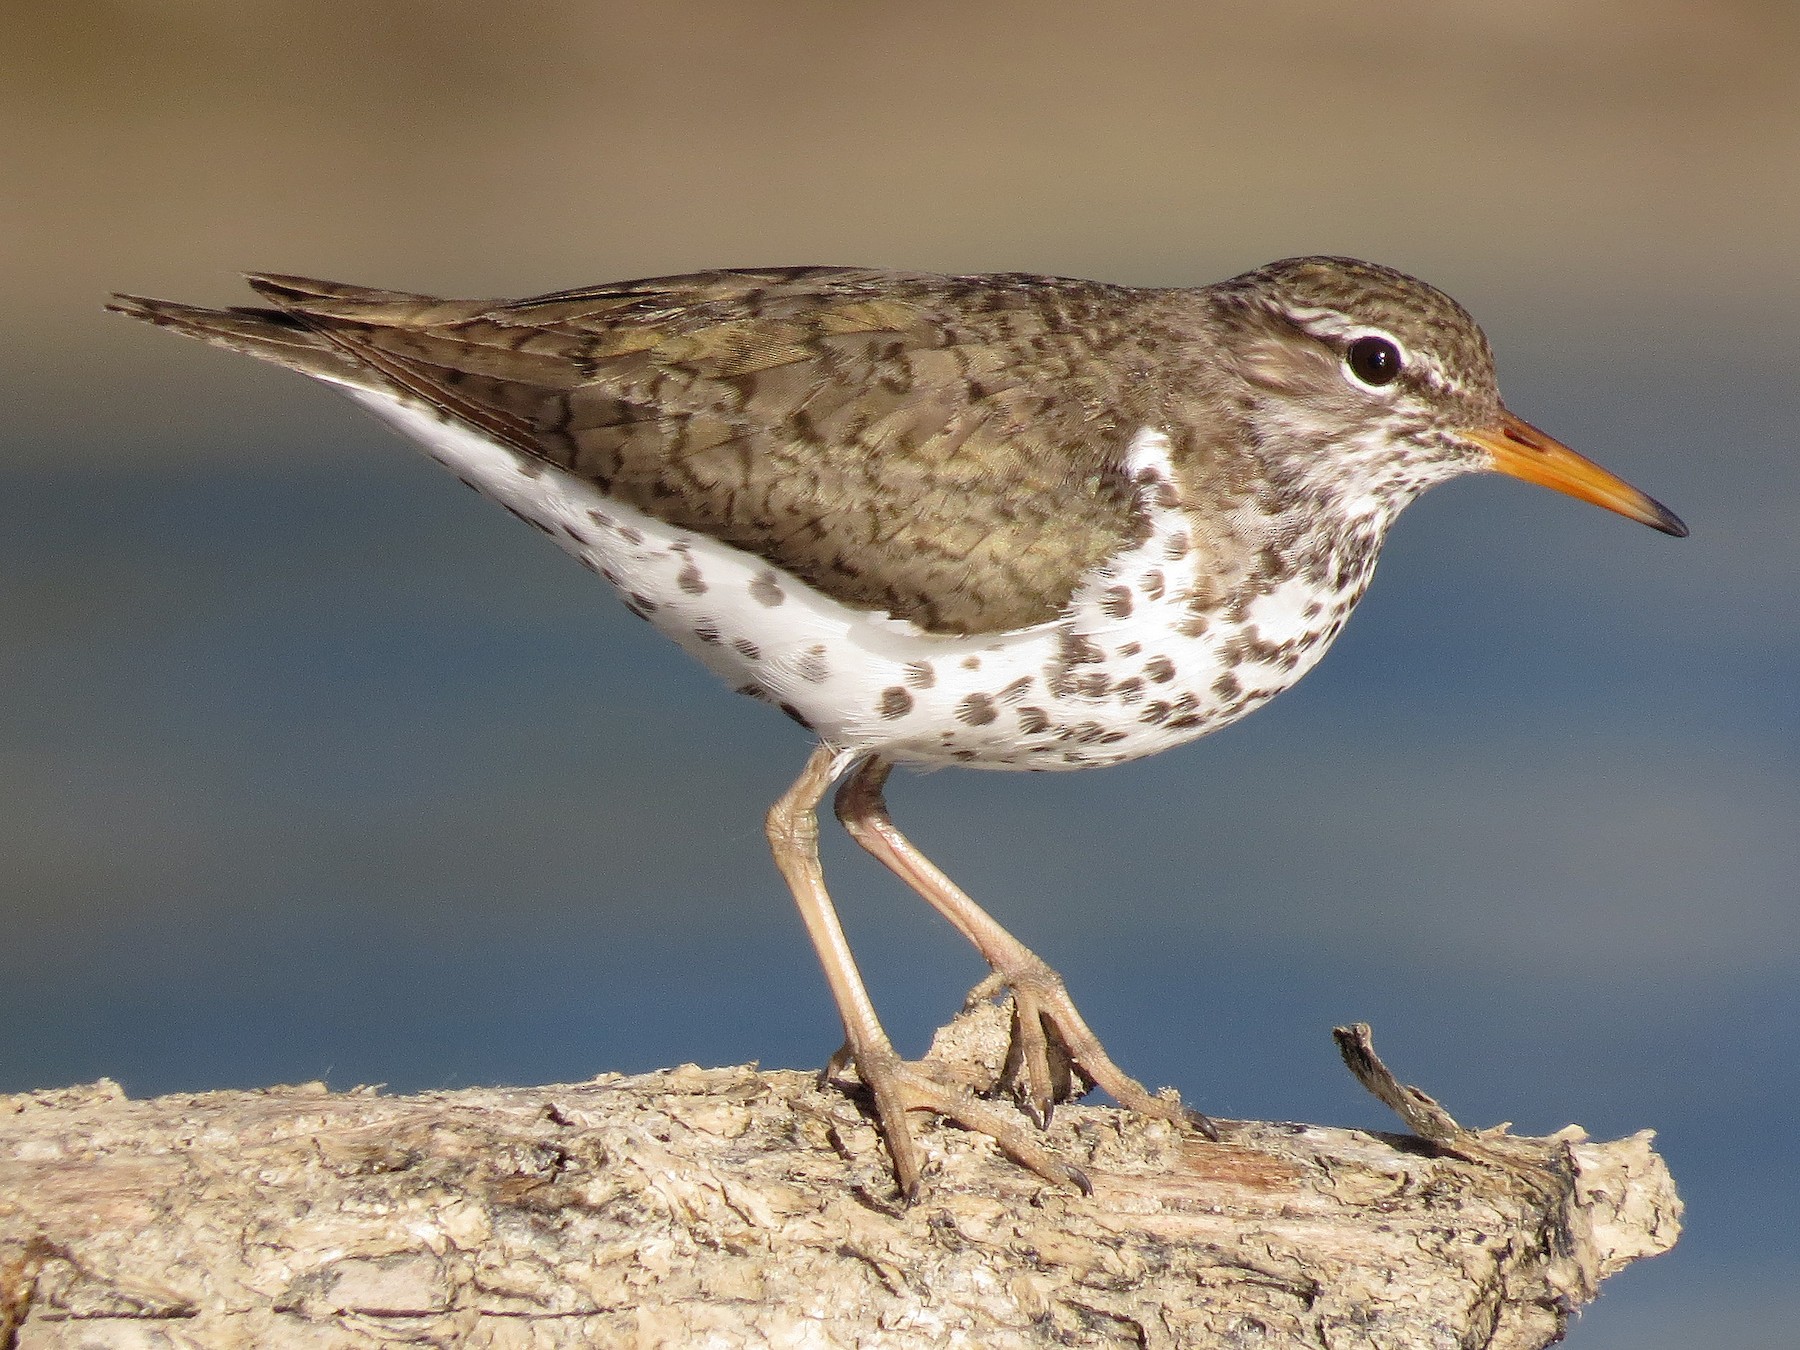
<point x="313" y="764"/>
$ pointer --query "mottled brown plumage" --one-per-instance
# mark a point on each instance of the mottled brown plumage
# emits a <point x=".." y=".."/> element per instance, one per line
<point x="900" y="442"/>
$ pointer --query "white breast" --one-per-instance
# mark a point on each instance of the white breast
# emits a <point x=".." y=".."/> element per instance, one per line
<point x="1125" y="672"/>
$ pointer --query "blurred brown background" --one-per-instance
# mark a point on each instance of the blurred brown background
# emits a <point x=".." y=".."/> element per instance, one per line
<point x="313" y="765"/>
<point x="1583" y="152"/>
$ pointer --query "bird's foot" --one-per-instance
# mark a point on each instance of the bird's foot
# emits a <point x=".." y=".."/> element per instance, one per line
<point x="899" y="1086"/>
<point x="1053" y="1057"/>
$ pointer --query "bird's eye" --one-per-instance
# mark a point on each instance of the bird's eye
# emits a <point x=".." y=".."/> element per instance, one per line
<point x="1374" y="360"/>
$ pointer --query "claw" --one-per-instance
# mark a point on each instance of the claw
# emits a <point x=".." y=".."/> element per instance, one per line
<point x="841" y="1058"/>
<point x="1202" y="1124"/>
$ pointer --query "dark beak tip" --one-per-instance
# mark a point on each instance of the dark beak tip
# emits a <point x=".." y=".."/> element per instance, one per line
<point x="1668" y="522"/>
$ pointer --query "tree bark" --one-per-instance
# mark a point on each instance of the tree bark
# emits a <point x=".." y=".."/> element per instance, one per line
<point x="728" y="1207"/>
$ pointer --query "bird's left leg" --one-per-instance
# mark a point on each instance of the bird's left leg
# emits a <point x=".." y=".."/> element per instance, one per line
<point x="1048" y="1033"/>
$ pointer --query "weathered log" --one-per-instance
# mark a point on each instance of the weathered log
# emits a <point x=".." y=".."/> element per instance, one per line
<point x="731" y="1207"/>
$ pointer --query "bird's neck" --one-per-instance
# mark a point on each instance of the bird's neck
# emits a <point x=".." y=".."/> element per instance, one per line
<point x="1291" y="519"/>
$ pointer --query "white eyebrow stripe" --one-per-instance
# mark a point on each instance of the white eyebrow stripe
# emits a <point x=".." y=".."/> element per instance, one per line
<point x="1331" y="323"/>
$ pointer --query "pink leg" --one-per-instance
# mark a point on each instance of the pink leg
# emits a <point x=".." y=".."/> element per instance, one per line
<point x="897" y="1085"/>
<point x="1049" y="1035"/>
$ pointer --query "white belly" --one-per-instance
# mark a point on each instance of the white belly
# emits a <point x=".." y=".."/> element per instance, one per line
<point x="1125" y="672"/>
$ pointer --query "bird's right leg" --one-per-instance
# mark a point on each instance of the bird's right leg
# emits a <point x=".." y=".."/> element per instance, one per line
<point x="897" y="1085"/>
<point x="1049" y="1034"/>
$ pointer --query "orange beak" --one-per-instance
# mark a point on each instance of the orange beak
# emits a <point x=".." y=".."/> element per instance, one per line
<point x="1520" y="449"/>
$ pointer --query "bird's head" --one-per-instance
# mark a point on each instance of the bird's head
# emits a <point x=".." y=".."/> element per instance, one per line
<point x="1363" y="376"/>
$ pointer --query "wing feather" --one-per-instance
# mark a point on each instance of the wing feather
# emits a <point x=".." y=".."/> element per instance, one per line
<point x="947" y="449"/>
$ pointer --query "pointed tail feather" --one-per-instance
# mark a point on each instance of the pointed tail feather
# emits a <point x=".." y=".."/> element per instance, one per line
<point x="283" y="288"/>
<point x="267" y="334"/>
<point x="361" y="304"/>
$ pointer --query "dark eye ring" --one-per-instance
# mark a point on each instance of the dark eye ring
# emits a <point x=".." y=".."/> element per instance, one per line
<point x="1374" y="360"/>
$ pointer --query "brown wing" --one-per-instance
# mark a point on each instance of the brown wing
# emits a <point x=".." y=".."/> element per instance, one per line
<point x="944" y="449"/>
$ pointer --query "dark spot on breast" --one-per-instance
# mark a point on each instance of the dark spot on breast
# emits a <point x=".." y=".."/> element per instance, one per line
<point x="812" y="666"/>
<point x="601" y="518"/>
<point x="641" y="605"/>
<point x="1160" y="669"/>
<point x="1016" y="690"/>
<point x="747" y="649"/>
<point x="1157" y="712"/>
<point x="977" y="710"/>
<point x="966" y="756"/>
<point x="1183" y="722"/>
<point x="1093" y="685"/>
<point x="1033" y="720"/>
<point x="631" y="534"/>
<point x="1075" y="649"/>
<point x="971" y="663"/>
<point x="895" y="702"/>
<point x="690" y="580"/>
<point x="707" y="633"/>
<point x="920" y="675"/>
<point x="1176" y="547"/>
<point x="1115" y="601"/>
<point x="766" y="589"/>
<point x="1129" y="691"/>
<point x="795" y="713"/>
<point x="1131" y="649"/>
<point x="1227" y="686"/>
<point x="1153" y="584"/>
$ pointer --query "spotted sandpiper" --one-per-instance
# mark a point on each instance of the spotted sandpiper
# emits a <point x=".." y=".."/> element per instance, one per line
<point x="1010" y="522"/>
